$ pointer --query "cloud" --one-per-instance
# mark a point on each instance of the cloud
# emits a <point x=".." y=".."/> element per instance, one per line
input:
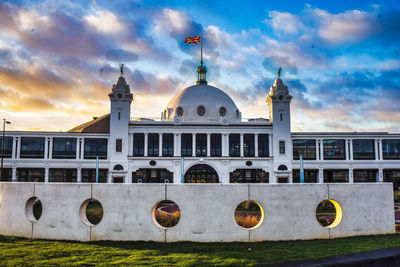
<point x="105" y="22"/>
<point x="121" y="56"/>
<point x="273" y="63"/>
<point x="284" y="22"/>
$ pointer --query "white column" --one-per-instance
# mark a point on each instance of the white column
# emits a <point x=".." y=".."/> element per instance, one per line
<point x="376" y="149"/>
<point x="77" y="148"/>
<point x="346" y="149"/>
<point x="351" y="177"/>
<point x="14" y="147"/>
<point x="317" y="149"/>
<point x="208" y="144"/>
<point x="225" y="145"/>
<point x="109" y="180"/>
<point x="51" y="148"/>
<point x="270" y="148"/>
<point x="14" y="173"/>
<point x="146" y="139"/>
<point x="381" y="150"/>
<point x="177" y="144"/>
<point x="46" y="147"/>
<point x="351" y="149"/>
<point x="160" y="144"/>
<point x="18" y="144"/>
<point x="321" y="143"/>
<point x="241" y="145"/>
<point x="79" y="175"/>
<point x="46" y="174"/>
<point x="130" y="144"/>
<point x="193" y="145"/>
<point x="320" y="175"/>
<point x="380" y="175"/>
<point x="82" y="148"/>
<point x="256" y="145"/>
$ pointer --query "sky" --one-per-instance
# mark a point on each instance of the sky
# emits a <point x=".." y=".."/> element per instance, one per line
<point x="340" y="59"/>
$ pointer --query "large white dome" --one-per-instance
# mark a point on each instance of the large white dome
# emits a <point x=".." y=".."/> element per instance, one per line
<point x="201" y="103"/>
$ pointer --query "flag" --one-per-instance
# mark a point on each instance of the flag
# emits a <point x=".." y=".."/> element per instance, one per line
<point x="192" y="40"/>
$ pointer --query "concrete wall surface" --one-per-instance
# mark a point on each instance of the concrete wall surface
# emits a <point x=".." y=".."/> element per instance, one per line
<point x="207" y="211"/>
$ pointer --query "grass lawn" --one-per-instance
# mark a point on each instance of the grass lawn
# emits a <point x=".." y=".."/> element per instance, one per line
<point x="21" y="251"/>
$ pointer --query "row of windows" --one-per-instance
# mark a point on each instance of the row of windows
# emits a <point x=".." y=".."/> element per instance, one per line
<point x="63" y="148"/>
<point x="334" y="149"/>
<point x="200" y="147"/>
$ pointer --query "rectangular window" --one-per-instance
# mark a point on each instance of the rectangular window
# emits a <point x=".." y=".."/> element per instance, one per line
<point x="281" y="147"/>
<point x="234" y="145"/>
<point x="248" y="145"/>
<point x="263" y="145"/>
<point x="63" y="175"/>
<point x="310" y="176"/>
<point x="334" y="149"/>
<point x="391" y="148"/>
<point x="6" y="175"/>
<point x="8" y="144"/>
<point x="32" y="147"/>
<point x="392" y="176"/>
<point x="89" y="175"/>
<point x="336" y="176"/>
<point x="118" y="145"/>
<point x="186" y="145"/>
<point x="153" y="144"/>
<point x="95" y="147"/>
<point x="138" y="144"/>
<point x="363" y="149"/>
<point x="168" y="145"/>
<point x="306" y="148"/>
<point x="364" y="176"/>
<point x="216" y="150"/>
<point x="248" y="176"/>
<point x="64" y="148"/>
<point x="201" y="145"/>
<point x="30" y="175"/>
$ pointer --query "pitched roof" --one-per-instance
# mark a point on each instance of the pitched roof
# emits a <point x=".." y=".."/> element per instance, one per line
<point x="97" y="125"/>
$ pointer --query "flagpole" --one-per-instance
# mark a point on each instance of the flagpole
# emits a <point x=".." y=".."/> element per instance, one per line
<point x="201" y="47"/>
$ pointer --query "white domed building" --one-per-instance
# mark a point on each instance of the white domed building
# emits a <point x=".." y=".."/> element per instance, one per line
<point x="200" y="138"/>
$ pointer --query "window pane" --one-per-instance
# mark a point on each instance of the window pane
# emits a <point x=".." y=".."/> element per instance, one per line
<point x="333" y="149"/>
<point x="263" y="145"/>
<point x="152" y="176"/>
<point x="364" y="176"/>
<point x="63" y="175"/>
<point x="336" y="176"/>
<point x="8" y="143"/>
<point x="306" y="148"/>
<point x="282" y="147"/>
<point x="153" y="144"/>
<point x="363" y="149"/>
<point x="30" y="175"/>
<point x="249" y="176"/>
<point x="186" y="146"/>
<point x="234" y="145"/>
<point x="32" y="147"/>
<point x="138" y="144"/>
<point x="310" y="176"/>
<point x="168" y="145"/>
<point x="201" y="145"/>
<point x="248" y="145"/>
<point x="216" y="150"/>
<point x="64" y="148"/>
<point x="391" y="148"/>
<point x="89" y="175"/>
<point x="95" y="147"/>
<point x="118" y="145"/>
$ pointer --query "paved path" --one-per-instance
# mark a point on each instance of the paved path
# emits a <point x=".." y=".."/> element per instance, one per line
<point x="375" y="258"/>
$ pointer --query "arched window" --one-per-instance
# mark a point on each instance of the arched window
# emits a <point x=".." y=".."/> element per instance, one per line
<point x="118" y="167"/>
<point x="201" y="173"/>
<point x="282" y="168"/>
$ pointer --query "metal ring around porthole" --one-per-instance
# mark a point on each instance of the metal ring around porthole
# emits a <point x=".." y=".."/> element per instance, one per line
<point x="166" y="181"/>
<point x="139" y="181"/>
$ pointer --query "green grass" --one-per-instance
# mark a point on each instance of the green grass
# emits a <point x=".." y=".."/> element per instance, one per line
<point x="21" y="251"/>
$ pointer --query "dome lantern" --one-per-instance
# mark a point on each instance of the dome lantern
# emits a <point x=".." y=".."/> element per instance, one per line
<point x="201" y="74"/>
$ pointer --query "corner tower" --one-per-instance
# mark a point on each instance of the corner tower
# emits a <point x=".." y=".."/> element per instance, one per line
<point x="279" y="114"/>
<point x="120" y="99"/>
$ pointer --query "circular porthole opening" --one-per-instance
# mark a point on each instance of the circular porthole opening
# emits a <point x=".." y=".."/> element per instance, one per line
<point x="166" y="214"/>
<point x="33" y="209"/>
<point x="222" y="111"/>
<point x="249" y="214"/>
<point x="91" y="212"/>
<point x="201" y="110"/>
<point x="179" y="111"/>
<point x="329" y="213"/>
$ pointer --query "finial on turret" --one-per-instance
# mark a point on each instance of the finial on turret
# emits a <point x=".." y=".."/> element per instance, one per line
<point x="121" y="67"/>
<point x="201" y="73"/>
<point x="279" y="72"/>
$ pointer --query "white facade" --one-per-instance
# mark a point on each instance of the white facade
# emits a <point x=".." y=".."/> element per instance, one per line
<point x="219" y="137"/>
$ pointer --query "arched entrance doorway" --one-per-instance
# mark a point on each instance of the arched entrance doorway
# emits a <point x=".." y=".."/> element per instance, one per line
<point x="201" y="173"/>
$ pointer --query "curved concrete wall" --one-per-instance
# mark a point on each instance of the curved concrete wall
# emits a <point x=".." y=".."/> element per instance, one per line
<point x="207" y="211"/>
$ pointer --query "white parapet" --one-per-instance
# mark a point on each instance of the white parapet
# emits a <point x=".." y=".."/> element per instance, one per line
<point x="206" y="211"/>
